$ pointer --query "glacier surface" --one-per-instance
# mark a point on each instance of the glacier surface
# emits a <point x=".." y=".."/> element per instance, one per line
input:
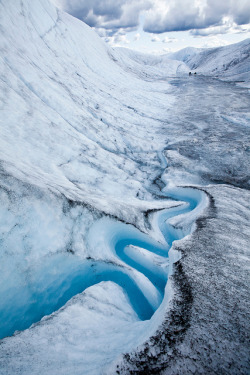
<point x="98" y="148"/>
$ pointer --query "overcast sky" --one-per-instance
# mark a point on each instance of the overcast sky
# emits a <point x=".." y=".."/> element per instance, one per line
<point x="164" y="25"/>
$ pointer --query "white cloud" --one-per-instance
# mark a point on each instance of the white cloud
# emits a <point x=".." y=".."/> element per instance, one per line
<point x="111" y="15"/>
<point x="214" y="41"/>
<point x="203" y="17"/>
<point x="181" y="15"/>
<point x="117" y="40"/>
<point x="169" y="40"/>
<point x="155" y="38"/>
<point x="227" y="27"/>
<point x="137" y="36"/>
<point x="167" y="50"/>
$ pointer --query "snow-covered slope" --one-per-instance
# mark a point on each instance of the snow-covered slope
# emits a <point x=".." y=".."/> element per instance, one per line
<point x="80" y="139"/>
<point x="232" y="62"/>
<point x="184" y="54"/>
<point x="148" y="66"/>
<point x="83" y="138"/>
<point x="58" y="76"/>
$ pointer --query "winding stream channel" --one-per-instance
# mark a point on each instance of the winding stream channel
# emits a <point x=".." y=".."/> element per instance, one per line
<point x="144" y="281"/>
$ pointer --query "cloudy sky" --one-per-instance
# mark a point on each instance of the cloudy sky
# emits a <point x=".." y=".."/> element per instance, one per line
<point x="162" y="26"/>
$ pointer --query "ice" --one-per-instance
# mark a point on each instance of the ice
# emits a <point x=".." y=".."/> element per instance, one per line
<point x="75" y="338"/>
<point x="50" y="277"/>
<point x="98" y="148"/>
<point x="147" y="66"/>
<point x="229" y="62"/>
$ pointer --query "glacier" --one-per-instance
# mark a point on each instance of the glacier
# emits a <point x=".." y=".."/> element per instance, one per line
<point x="124" y="203"/>
<point x="228" y="62"/>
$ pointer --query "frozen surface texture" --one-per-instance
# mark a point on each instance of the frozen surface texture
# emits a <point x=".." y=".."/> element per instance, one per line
<point x="229" y="62"/>
<point x="98" y="148"/>
<point x="206" y="330"/>
<point x="148" y="67"/>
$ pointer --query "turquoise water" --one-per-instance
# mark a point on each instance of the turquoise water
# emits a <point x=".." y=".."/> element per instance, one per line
<point x="60" y="277"/>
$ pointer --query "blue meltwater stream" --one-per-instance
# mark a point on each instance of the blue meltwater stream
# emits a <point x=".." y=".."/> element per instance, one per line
<point x="63" y="276"/>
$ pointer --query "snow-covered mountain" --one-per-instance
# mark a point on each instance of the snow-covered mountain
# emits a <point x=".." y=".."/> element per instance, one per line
<point x="62" y="79"/>
<point x="231" y="62"/>
<point x="148" y="66"/>
<point x="113" y="164"/>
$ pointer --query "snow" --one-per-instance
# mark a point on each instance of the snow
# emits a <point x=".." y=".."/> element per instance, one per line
<point x="206" y="329"/>
<point x="67" y="342"/>
<point x="185" y="54"/>
<point x="61" y="88"/>
<point x="67" y="105"/>
<point x="98" y="148"/>
<point x="229" y="62"/>
<point x="147" y="66"/>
